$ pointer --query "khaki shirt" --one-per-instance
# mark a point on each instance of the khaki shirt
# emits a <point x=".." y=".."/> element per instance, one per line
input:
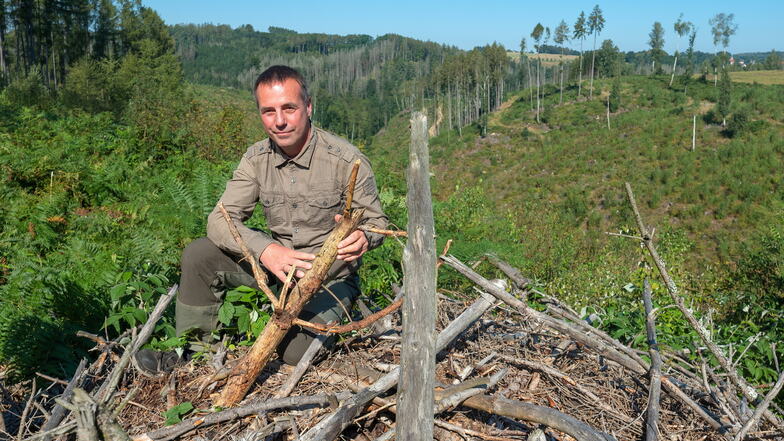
<point x="300" y="197"/>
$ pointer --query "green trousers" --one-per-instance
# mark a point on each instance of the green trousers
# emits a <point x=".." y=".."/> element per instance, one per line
<point x="208" y="272"/>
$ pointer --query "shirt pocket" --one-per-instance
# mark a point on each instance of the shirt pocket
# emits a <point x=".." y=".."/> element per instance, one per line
<point x="321" y="210"/>
<point x="274" y="209"/>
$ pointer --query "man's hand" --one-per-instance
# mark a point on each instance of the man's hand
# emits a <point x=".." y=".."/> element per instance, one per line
<point x="353" y="246"/>
<point x="279" y="260"/>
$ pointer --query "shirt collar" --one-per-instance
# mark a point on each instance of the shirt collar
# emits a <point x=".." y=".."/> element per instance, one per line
<point x="304" y="157"/>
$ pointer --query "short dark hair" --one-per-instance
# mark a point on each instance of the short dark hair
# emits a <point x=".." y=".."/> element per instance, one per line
<point x="278" y="74"/>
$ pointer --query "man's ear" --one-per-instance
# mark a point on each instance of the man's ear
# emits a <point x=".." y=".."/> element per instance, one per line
<point x="310" y="108"/>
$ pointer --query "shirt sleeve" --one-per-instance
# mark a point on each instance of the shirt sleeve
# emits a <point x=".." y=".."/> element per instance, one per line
<point x="366" y="196"/>
<point x="239" y="198"/>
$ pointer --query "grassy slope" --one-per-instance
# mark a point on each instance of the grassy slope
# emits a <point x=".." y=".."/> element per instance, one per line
<point x="562" y="181"/>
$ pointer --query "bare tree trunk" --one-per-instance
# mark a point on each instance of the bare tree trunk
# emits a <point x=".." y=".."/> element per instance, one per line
<point x="593" y="59"/>
<point x="674" y="64"/>
<point x="418" y="356"/>
<point x="580" y="81"/>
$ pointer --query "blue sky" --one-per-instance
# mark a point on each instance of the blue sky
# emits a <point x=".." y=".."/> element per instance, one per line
<point x="467" y="24"/>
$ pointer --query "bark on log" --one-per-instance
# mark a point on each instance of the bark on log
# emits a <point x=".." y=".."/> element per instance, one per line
<point x="252" y="408"/>
<point x="244" y="374"/>
<point x="331" y="426"/>
<point x="417" y="354"/>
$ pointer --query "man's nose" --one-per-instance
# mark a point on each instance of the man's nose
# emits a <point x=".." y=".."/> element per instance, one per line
<point x="280" y="119"/>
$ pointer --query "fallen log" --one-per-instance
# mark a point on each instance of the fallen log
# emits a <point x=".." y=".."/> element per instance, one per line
<point x="252" y="408"/>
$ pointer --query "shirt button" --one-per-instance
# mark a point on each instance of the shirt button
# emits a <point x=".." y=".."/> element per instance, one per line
<point x="293" y="180"/>
<point x="294" y="205"/>
<point x="296" y="229"/>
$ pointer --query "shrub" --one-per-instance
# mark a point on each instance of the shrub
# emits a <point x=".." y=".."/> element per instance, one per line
<point x="28" y="90"/>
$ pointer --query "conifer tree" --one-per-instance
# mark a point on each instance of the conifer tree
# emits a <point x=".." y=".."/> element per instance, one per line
<point x="579" y="33"/>
<point x="656" y="42"/>
<point x="561" y="37"/>
<point x="595" y="26"/>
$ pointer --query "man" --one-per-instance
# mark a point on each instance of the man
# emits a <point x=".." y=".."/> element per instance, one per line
<point x="299" y="175"/>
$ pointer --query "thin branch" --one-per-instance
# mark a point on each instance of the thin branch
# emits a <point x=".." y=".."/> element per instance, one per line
<point x="353" y="326"/>
<point x="352" y="182"/>
<point x="391" y="233"/>
<point x="258" y="274"/>
<point x="761" y="408"/>
<point x="654" y="391"/>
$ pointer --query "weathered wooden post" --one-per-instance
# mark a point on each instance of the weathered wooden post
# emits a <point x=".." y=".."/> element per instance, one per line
<point x="694" y="133"/>
<point x="418" y="353"/>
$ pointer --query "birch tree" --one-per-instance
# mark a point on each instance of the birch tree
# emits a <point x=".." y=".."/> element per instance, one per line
<point x="681" y="28"/>
<point x="595" y="26"/>
<point x="723" y="27"/>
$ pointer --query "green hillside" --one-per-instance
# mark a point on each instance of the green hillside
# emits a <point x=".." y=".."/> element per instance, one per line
<point x="551" y="191"/>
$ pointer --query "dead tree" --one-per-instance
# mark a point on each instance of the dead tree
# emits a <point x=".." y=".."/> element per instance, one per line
<point x="418" y="356"/>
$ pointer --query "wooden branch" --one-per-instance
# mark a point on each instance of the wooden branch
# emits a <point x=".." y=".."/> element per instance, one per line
<point x="749" y="392"/>
<point x="513" y="273"/>
<point x="244" y="374"/>
<point x="258" y="274"/>
<point x="301" y="368"/>
<point x="417" y="352"/>
<point x="331" y="426"/>
<point x="106" y="391"/>
<point x="23" y="419"/>
<point x="391" y="233"/>
<point x="254" y="407"/>
<point x="761" y="409"/>
<point x="59" y="412"/>
<point x="536" y="414"/>
<point x="654" y="391"/>
<point x="352" y="182"/>
<point x="572" y="330"/>
<point x="353" y="326"/>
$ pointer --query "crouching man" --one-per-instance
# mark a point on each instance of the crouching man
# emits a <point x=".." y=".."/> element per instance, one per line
<point x="299" y="176"/>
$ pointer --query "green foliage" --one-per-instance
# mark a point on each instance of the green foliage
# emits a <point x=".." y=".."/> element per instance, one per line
<point x="725" y="95"/>
<point x="244" y="313"/>
<point x="27" y="90"/>
<point x="174" y="415"/>
<point x="615" y="94"/>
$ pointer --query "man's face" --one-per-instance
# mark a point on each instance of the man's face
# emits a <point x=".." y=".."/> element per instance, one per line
<point x="285" y="114"/>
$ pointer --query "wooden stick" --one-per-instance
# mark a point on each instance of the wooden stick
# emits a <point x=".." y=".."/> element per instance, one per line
<point x="654" y="391"/>
<point x="353" y="326"/>
<point x="417" y="352"/>
<point x="749" y="392"/>
<point x="258" y="274"/>
<point x="302" y="367"/>
<point x="761" y="409"/>
<point x="254" y="407"/>
<point x="331" y="426"/>
<point x="33" y="395"/>
<point x="106" y="390"/>
<point x="352" y="183"/>
<point x="392" y="233"/>
<point x="59" y="412"/>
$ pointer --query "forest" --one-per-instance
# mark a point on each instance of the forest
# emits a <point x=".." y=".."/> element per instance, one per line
<point x="118" y="133"/>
